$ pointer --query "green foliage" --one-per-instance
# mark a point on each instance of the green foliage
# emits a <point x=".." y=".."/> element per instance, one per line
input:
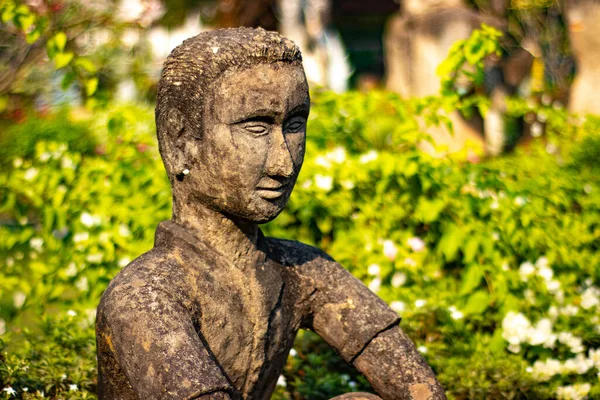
<point x="457" y="248"/>
<point x="20" y="140"/>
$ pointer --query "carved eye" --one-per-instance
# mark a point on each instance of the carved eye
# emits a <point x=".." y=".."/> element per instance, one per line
<point x="295" y="125"/>
<point x="257" y="128"/>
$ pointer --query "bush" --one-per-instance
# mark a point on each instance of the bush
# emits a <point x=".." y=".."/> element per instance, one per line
<point x="493" y="266"/>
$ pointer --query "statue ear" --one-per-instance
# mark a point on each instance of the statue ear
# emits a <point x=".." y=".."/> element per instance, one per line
<point x="175" y="125"/>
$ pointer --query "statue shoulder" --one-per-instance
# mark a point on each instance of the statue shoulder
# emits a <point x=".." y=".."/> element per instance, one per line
<point x="294" y="253"/>
<point x="148" y="276"/>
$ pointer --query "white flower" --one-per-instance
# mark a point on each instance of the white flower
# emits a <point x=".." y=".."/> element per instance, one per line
<point x="45" y="156"/>
<point x="18" y="162"/>
<point x="552" y="285"/>
<point x="94" y="258"/>
<point x="578" y="391"/>
<point x="281" y="381"/>
<point x="374" y="270"/>
<point x="10" y="391"/>
<point x="71" y="313"/>
<point x="541" y="334"/>
<point x="124" y="230"/>
<point x="578" y="365"/>
<point x="81" y="237"/>
<point x="416" y="244"/>
<point x="536" y="129"/>
<point x="420" y="303"/>
<point x="368" y="157"/>
<point x="19" y="299"/>
<point x="542" y="262"/>
<point x="71" y="269"/>
<point x="90" y="220"/>
<point x="410" y="262"/>
<point x="520" y="201"/>
<point x="323" y="162"/>
<point x="454" y="313"/>
<point x="389" y="250"/>
<point x="338" y="155"/>
<point x="397" y="306"/>
<point x="553" y="312"/>
<point x="293" y="353"/>
<point x="422" y="349"/>
<point x="324" y="182"/>
<point x="347" y="184"/>
<point x="546" y="273"/>
<point x="594" y="355"/>
<point x="515" y="327"/>
<point x="495" y="205"/>
<point x="398" y="279"/>
<point x="67" y="163"/>
<point x="352" y="384"/>
<point x="514" y="348"/>
<point x="72" y="388"/>
<point x="574" y="343"/>
<point x="36" y="244"/>
<point x="590" y="298"/>
<point x="82" y="284"/>
<point x="375" y="285"/>
<point x="545" y="370"/>
<point x="525" y="270"/>
<point x="124" y="261"/>
<point x="30" y="174"/>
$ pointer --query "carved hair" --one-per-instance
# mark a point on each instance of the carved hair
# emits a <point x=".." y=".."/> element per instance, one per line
<point x="194" y="66"/>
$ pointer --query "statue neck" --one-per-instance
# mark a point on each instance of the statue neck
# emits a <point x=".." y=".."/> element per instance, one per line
<point x="235" y="240"/>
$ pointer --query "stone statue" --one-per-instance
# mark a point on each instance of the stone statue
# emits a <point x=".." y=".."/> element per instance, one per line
<point x="211" y="312"/>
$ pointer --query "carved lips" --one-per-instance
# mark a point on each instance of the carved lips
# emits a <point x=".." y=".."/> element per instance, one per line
<point x="272" y="191"/>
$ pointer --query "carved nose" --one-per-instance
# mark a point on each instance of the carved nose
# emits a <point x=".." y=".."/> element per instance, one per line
<point x="279" y="161"/>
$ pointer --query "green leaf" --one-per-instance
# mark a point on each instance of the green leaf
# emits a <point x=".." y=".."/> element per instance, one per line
<point x="33" y="36"/>
<point x="91" y="85"/>
<point x="471" y="279"/>
<point x="470" y="250"/>
<point x="497" y="344"/>
<point x="478" y="302"/>
<point x="8" y="13"/>
<point x="451" y="241"/>
<point x="86" y="64"/>
<point x="62" y="59"/>
<point x="60" y="40"/>
<point x="24" y="22"/>
<point x="68" y="80"/>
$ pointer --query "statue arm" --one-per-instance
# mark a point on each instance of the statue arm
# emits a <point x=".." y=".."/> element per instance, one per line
<point x="156" y="346"/>
<point x="396" y="370"/>
<point x="365" y="332"/>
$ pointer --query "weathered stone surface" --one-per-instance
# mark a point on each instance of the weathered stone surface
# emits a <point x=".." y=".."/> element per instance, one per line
<point x="396" y="369"/>
<point x="211" y="312"/>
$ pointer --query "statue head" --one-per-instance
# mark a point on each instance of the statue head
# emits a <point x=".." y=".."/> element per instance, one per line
<point x="231" y="119"/>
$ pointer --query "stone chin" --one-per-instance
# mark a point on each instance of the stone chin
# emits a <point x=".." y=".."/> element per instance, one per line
<point x="263" y="210"/>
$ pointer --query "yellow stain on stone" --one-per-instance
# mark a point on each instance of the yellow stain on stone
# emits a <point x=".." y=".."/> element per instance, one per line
<point x="109" y="342"/>
<point x="420" y="391"/>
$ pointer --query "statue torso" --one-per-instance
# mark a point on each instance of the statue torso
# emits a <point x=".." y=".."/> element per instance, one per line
<point x="247" y="316"/>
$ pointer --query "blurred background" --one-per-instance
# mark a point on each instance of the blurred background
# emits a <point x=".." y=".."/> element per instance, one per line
<point x="92" y="53"/>
<point x="453" y="165"/>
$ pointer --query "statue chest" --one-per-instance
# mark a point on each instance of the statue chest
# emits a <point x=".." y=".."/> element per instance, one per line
<point x="248" y="321"/>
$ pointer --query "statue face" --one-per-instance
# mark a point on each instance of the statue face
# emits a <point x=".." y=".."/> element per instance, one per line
<point x="252" y="146"/>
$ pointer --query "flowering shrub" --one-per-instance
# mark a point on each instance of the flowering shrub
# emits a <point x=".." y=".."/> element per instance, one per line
<point x="493" y="266"/>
